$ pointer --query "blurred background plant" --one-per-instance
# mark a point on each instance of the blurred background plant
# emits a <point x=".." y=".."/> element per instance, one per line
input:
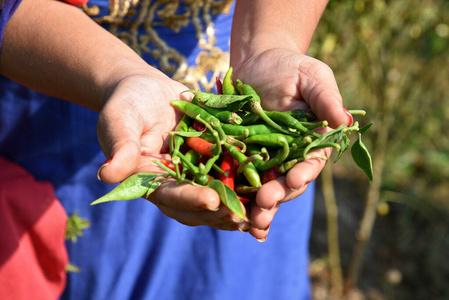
<point x="390" y="58"/>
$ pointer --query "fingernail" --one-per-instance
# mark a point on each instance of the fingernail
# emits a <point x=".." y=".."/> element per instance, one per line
<point x="266" y="229"/>
<point x="351" y="119"/>
<point x="207" y="207"/>
<point x="231" y="219"/>
<point x="241" y="229"/>
<point x="107" y="162"/>
<point x="261" y="240"/>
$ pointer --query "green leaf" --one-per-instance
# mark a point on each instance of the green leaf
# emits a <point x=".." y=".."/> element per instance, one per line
<point x="153" y="187"/>
<point x="228" y="197"/>
<point x="345" y="143"/>
<point x="219" y="101"/>
<point x="365" y="128"/>
<point x="133" y="187"/>
<point x="362" y="157"/>
<point x="332" y="136"/>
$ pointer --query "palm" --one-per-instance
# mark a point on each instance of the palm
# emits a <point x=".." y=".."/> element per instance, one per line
<point x="288" y="80"/>
<point x="138" y="116"/>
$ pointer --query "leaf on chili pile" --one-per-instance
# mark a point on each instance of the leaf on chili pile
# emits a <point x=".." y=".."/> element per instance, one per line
<point x="362" y="157"/>
<point x="228" y="197"/>
<point x="219" y="101"/>
<point x="332" y="136"/>
<point x="365" y="128"/>
<point x="133" y="187"/>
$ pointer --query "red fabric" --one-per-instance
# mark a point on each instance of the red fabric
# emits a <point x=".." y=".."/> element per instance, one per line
<point x="32" y="228"/>
<point x="76" y="2"/>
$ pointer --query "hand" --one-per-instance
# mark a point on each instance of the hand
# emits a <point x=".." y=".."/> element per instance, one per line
<point x="132" y="130"/>
<point x="287" y="80"/>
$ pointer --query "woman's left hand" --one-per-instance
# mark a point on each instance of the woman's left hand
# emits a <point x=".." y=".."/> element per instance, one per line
<point x="287" y="80"/>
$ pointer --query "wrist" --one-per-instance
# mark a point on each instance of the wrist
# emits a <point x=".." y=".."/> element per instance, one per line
<point x="261" y="25"/>
<point x="248" y="47"/>
<point x="124" y="72"/>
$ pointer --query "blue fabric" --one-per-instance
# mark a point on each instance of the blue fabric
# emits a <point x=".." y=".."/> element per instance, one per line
<point x="6" y="12"/>
<point x="132" y="250"/>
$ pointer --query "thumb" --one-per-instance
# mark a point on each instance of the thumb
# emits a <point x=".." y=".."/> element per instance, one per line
<point x="320" y="90"/>
<point x="121" y="145"/>
<point x="120" y="164"/>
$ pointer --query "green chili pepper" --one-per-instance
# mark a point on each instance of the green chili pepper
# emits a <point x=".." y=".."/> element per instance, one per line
<point x="188" y="164"/>
<point x="302" y="115"/>
<point x="246" y="131"/>
<point x="177" y="141"/>
<point x="249" y="119"/>
<point x="246" y="89"/>
<point x="283" y="118"/>
<point x="253" y="149"/>
<point x="197" y="113"/>
<point x="257" y="109"/>
<point x="222" y="114"/>
<point x="245" y="190"/>
<point x="262" y="166"/>
<point x="315" y="125"/>
<point x="274" y="140"/>
<point x="204" y="169"/>
<point x="250" y="172"/>
<point x="228" y="83"/>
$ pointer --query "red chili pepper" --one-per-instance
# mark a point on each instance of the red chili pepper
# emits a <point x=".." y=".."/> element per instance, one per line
<point x="168" y="164"/>
<point x="200" y="145"/>
<point x="219" y="85"/>
<point x="198" y="126"/>
<point x="229" y="165"/>
<point x="271" y="174"/>
<point x="244" y="200"/>
<point x="166" y="149"/>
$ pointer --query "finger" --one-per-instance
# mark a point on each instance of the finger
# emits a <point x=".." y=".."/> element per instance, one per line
<point x="215" y="220"/>
<point x="274" y="192"/>
<point x="261" y="218"/>
<point x="259" y="234"/>
<point x="196" y="206"/>
<point x="306" y="171"/>
<point x="319" y="89"/>
<point x="185" y="197"/>
<point x="119" y="139"/>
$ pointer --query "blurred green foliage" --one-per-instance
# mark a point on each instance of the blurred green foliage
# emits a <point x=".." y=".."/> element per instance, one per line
<point x="390" y="58"/>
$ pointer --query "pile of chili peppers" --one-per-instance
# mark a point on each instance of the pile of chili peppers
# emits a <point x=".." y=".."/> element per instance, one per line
<point x="228" y="142"/>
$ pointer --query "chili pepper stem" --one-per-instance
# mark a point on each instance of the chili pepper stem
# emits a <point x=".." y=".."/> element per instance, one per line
<point x="168" y="170"/>
<point x="247" y="161"/>
<point x="358" y="112"/>
<point x="258" y="110"/>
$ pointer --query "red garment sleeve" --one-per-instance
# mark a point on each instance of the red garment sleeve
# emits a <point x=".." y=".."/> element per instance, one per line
<point x="76" y="2"/>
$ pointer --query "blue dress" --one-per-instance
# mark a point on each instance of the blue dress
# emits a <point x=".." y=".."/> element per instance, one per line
<point x="132" y="250"/>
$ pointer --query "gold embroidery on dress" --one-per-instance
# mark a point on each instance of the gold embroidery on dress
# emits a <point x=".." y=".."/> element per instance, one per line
<point x="126" y="18"/>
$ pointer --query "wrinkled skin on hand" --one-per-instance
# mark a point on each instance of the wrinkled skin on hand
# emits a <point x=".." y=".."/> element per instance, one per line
<point x="287" y="80"/>
<point x="132" y="130"/>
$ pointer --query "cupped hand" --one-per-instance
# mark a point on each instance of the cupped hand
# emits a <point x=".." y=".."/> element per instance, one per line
<point x="287" y="80"/>
<point x="133" y="130"/>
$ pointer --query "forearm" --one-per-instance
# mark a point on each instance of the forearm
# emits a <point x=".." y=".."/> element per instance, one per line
<point x="260" y="25"/>
<point x="56" y="49"/>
